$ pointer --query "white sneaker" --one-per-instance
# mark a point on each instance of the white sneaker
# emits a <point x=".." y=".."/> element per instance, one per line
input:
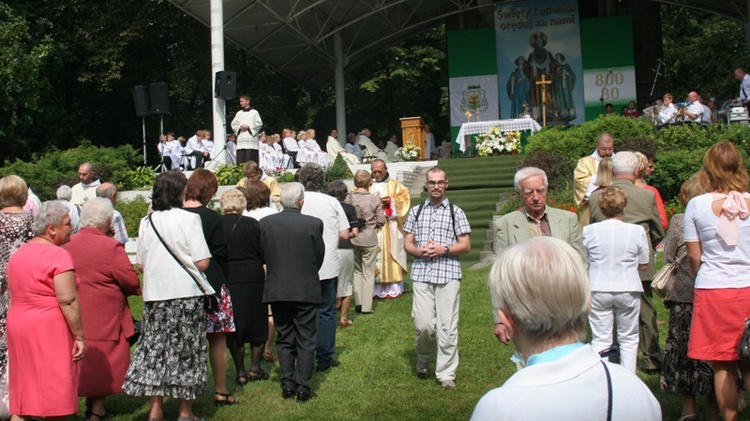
<point x="448" y="384"/>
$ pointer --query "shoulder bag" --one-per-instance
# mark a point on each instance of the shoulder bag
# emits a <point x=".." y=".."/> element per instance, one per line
<point x="743" y="349"/>
<point x="210" y="301"/>
<point x="664" y="279"/>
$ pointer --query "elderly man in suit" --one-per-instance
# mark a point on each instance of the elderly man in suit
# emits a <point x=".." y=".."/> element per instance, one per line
<point x="534" y="220"/>
<point x="293" y="250"/>
<point x="641" y="210"/>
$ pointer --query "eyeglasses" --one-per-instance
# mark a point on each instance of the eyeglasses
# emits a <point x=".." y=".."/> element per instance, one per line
<point x="440" y="183"/>
<point x="529" y="192"/>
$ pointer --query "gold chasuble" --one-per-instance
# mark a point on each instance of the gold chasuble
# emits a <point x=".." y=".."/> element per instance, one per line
<point x="391" y="266"/>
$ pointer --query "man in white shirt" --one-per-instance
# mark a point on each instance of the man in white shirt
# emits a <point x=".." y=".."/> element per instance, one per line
<point x="170" y="150"/>
<point x="335" y="228"/>
<point x="197" y="149"/>
<point x="694" y="111"/>
<point x="744" y="79"/>
<point x="86" y="189"/>
<point x="119" y="231"/>
<point x="668" y="112"/>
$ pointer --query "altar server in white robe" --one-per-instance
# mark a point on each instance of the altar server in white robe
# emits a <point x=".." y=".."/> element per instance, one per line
<point x="246" y="125"/>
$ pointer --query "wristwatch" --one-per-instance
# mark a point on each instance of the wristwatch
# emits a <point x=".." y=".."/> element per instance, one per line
<point x="447" y="250"/>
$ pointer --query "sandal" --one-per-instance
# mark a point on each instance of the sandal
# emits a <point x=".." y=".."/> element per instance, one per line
<point x="345" y="323"/>
<point x="88" y="414"/>
<point x="258" y="375"/>
<point x="228" y="399"/>
<point x="241" y="378"/>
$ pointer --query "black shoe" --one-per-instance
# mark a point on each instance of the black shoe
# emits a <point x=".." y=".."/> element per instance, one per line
<point x="334" y="363"/>
<point x="358" y="309"/>
<point x="303" y="397"/>
<point x="288" y="393"/>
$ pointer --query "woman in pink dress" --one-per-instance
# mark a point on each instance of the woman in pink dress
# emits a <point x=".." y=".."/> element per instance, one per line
<point x="45" y="333"/>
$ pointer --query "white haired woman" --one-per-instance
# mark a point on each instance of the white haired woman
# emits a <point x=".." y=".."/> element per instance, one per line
<point x="542" y="289"/>
<point x="45" y="332"/>
<point x="107" y="278"/>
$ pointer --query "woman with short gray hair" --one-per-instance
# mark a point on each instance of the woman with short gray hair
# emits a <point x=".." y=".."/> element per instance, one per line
<point x="106" y="278"/>
<point x="542" y="288"/>
<point x="44" y="322"/>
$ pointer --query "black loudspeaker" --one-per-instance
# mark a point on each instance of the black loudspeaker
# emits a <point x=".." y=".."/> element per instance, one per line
<point x="141" y="100"/>
<point x="225" y="86"/>
<point x="158" y="98"/>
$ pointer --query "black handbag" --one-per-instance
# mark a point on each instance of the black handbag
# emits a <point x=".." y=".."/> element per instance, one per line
<point x="743" y="348"/>
<point x="137" y="335"/>
<point x="210" y="301"/>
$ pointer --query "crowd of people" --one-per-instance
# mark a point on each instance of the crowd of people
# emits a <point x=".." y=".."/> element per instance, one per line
<point x="275" y="267"/>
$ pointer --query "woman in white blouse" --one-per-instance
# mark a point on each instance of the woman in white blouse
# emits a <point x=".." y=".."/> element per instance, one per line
<point x="717" y="238"/>
<point x="616" y="252"/>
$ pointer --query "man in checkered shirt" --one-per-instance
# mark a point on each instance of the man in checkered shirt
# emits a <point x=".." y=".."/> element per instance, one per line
<point x="437" y="232"/>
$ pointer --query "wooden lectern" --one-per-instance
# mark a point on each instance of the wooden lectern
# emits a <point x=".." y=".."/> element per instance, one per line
<point x="413" y="130"/>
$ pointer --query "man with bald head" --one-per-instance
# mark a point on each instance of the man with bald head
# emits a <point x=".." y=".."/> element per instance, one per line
<point x="585" y="173"/>
<point x="391" y="260"/>
<point x="694" y="111"/>
<point x="86" y="189"/>
<point x="118" y="231"/>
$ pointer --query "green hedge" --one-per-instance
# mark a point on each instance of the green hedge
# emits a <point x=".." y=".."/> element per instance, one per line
<point x="679" y="149"/>
<point x="45" y="173"/>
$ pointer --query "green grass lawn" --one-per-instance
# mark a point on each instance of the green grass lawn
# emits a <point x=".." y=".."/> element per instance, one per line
<point x="376" y="379"/>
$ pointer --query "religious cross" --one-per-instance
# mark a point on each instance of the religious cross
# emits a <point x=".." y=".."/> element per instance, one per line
<point x="544" y="82"/>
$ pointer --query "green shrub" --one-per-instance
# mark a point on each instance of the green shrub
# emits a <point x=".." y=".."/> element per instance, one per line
<point x="338" y="171"/>
<point x="138" y="179"/>
<point x="132" y="212"/>
<point x="673" y="167"/>
<point x="558" y="167"/>
<point x="229" y="175"/>
<point x="45" y="173"/>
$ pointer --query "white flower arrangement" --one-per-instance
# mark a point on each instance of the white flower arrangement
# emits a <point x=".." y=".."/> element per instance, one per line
<point x="497" y="142"/>
<point x="410" y="152"/>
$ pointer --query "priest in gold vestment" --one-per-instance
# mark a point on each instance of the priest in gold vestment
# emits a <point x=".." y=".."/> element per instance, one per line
<point x="391" y="266"/>
<point x="254" y="173"/>
<point x="584" y="176"/>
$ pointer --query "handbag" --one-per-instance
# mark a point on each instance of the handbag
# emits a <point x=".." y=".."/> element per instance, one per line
<point x="4" y="395"/>
<point x="210" y="301"/>
<point x="664" y="279"/>
<point x="743" y="349"/>
<point x="136" y="332"/>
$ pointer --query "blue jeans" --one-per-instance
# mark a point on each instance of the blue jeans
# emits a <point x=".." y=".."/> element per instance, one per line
<point x="327" y="322"/>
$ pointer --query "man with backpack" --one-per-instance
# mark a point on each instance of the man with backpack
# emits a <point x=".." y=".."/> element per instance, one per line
<point x="437" y="232"/>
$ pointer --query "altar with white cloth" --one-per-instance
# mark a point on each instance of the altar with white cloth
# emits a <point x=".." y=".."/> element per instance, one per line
<point x="479" y="127"/>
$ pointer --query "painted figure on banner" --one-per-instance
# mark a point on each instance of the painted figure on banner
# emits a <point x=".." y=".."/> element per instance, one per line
<point x="518" y="88"/>
<point x="563" y="84"/>
<point x="541" y="63"/>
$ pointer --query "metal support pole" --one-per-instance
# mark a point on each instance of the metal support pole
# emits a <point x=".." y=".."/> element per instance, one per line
<point x="217" y="65"/>
<point x="338" y="51"/>
<point x="145" y="160"/>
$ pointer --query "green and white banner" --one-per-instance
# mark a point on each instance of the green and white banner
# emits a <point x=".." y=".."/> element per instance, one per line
<point x="476" y="95"/>
<point x="609" y="70"/>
